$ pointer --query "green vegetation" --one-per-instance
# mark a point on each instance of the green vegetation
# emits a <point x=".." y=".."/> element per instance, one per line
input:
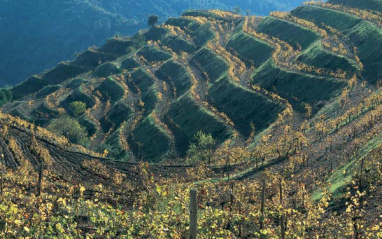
<point x="142" y="79"/>
<point x="92" y="58"/>
<point x="129" y="64"/>
<point x="119" y="114"/>
<point x="178" y="44"/>
<point x="119" y="46"/>
<point x="242" y="80"/>
<point x="47" y="91"/>
<point x="78" y="95"/>
<point x="341" y="177"/>
<point x="187" y="125"/>
<point x="296" y="87"/>
<point x="75" y="83"/>
<point x="288" y="32"/>
<point x="114" y="148"/>
<point x="202" y="35"/>
<point x="156" y="33"/>
<point x="5" y="96"/>
<point x="107" y="69"/>
<point x="201" y="151"/>
<point x="77" y="108"/>
<point x="363" y="35"/>
<point x="152" y="148"/>
<point x="368" y="40"/>
<point x="176" y="76"/>
<point x="338" y="20"/>
<point x="89" y="125"/>
<point x="70" y="128"/>
<point x="316" y="56"/>
<point x="43" y="114"/>
<point x="199" y="33"/>
<point x="153" y="20"/>
<point x="30" y="86"/>
<point x="210" y="63"/>
<point x="279" y="142"/>
<point x="150" y="98"/>
<point x="62" y="72"/>
<point x="110" y="90"/>
<point x="61" y="28"/>
<point x="250" y="49"/>
<point x="58" y="75"/>
<point x="153" y="54"/>
<point x="374" y="5"/>
<point x="183" y="23"/>
<point x="243" y="107"/>
<point x="203" y="13"/>
<point x="145" y="83"/>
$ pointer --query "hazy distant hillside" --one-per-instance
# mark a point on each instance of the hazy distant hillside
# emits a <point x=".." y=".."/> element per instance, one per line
<point x="36" y="35"/>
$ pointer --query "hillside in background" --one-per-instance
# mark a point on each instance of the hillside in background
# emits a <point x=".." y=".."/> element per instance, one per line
<point x="276" y="121"/>
<point x="230" y="76"/>
<point x="37" y="35"/>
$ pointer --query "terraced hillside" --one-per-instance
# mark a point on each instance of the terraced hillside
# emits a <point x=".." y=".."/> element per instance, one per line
<point x="24" y="145"/>
<point x="48" y="32"/>
<point x="297" y="118"/>
<point x="230" y="76"/>
<point x="324" y="167"/>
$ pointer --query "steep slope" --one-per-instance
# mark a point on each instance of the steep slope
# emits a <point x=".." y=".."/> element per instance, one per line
<point x="361" y="29"/>
<point x="23" y="145"/>
<point x="146" y="96"/>
<point x="297" y="124"/>
<point x="373" y="5"/>
<point x="327" y="175"/>
<point x="37" y="35"/>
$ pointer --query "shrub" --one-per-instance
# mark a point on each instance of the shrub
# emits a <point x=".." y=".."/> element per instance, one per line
<point x="77" y="107"/>
<point x="5" y="96"/>
<point x="70" y="128"/>
<point x="153" y="20"/>
<point x="202" y="150"/>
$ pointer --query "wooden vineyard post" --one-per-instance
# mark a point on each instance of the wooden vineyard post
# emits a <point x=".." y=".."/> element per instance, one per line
<point x="39" y="185"/>
<point x="262" y="208"/>
<point x="282" y="219"/>
<point x="2" y="173"/>
<point x="231" y="198"/>
<point x="193" y="213"/>
<point x="360" y="175"/>
<point x="303" y="200"/>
